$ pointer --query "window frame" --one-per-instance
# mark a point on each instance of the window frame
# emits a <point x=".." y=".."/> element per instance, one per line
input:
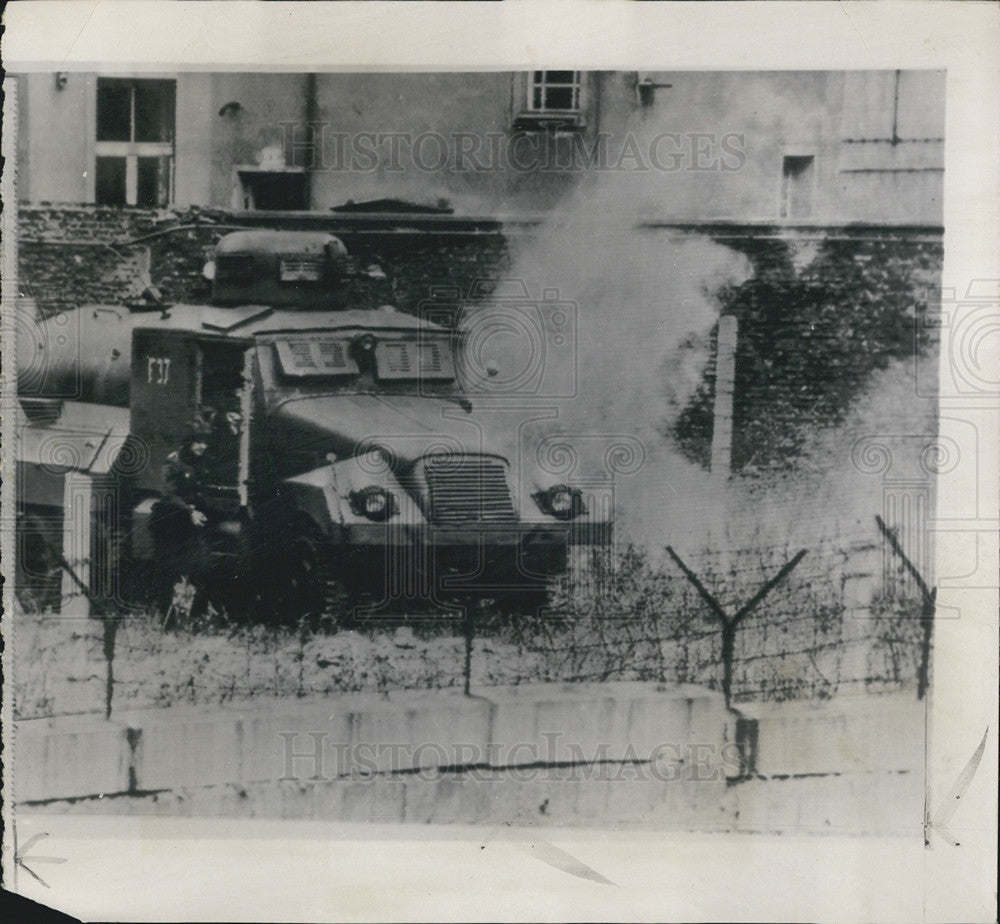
<point x="132" y="150"/>
<point x="243" y="194"/>
<point x="787" y="199"/>
<point x="533" y="84"/>
<point x="526" y="118"/>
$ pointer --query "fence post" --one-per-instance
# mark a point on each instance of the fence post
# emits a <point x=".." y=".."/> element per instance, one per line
<point x="468" y="630"/>
<point x="730" y="623"/>
<point x="928" y="608"/>
<point x="110" y="627"/>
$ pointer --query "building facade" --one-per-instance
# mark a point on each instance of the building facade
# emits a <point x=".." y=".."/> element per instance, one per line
<point x="825" y="147"/>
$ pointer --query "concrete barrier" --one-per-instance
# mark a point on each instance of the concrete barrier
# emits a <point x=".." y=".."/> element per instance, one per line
<point x="70" y="757"/>
<point x="858" y="803"/>
<point x="851" y="734"/>
<point x="366" y="734"/>
<point x="616" y="753"/>
<point x="854" y="764"/>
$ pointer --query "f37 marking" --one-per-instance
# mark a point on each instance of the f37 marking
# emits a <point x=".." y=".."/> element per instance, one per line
<point x="158" y="370"/>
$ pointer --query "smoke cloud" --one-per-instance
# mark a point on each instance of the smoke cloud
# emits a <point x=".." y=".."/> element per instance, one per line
<point x="642" y="303"/>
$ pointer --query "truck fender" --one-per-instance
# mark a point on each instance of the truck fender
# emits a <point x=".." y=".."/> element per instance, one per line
<point x="357" y="473"/>
<point x="324" y="494"/>
<point x="313" y="494"/>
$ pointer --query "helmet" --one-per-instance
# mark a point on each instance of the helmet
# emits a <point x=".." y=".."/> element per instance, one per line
<point x="197" y="431"/>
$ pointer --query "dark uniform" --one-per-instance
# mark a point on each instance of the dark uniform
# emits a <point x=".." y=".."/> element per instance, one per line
<point x="222" y="457"/>
<point x="181" y="545"/>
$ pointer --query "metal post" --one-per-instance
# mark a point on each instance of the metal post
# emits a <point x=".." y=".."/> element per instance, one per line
<point x="722" y="436"/>
<point x="725" y="377"/>
<point x="468" y="626"/>
<point x="77" y="507"/>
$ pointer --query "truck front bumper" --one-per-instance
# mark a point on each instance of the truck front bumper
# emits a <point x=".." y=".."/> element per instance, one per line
<point x="470" y="558"/>
<point x="475" y="535"/>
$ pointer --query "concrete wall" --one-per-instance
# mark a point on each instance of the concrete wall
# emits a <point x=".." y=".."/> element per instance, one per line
<point x="445" y="756"/>
<point x="584" y="754"/>
<point x="249" y="135"/>
<point x="480" y="105"/>
<point x="843" y="120"/>
<point x="59" y="127"/>
<point x="57" y="138"/>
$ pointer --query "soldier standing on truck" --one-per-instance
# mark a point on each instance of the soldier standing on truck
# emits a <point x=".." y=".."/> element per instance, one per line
<point x="179" y="517"/>
<point x="224" y="424"/>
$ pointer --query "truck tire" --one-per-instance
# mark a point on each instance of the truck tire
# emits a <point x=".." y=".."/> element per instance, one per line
<point x="302" y="583"/>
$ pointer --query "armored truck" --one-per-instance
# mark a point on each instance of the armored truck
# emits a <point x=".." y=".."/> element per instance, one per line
<point x="350" y="459"/>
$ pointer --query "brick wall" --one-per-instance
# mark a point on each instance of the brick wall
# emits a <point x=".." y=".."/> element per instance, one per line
<point x="71" y="256"/>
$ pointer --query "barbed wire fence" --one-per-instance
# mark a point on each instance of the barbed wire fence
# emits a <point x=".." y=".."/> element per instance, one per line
<point x="756" y="623"/>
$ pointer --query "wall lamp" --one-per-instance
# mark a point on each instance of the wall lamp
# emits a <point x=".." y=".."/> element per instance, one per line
<point x="646" y="90"/>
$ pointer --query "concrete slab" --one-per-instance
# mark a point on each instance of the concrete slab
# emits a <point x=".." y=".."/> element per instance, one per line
<point x="293" y="742"/>
<point x="188" y="748"/>
<point x="861" y="803"/>
<point x="67" y="757"/>
<point x="849" y="734"/>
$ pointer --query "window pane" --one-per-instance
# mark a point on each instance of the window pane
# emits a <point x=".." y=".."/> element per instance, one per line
<point x="114" y="105"/>
<point x="276" y="191"/>
<point x="797" y="187"/>
<point x="153" y="182"/>
<point x="110" y="181"/>
<point x="154" y="110"/>
<point x="559" y="76"/>
<point x="559" y="97"/>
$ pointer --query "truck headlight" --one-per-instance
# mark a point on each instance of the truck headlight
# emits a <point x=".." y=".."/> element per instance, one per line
<point x="561" y="501"/>
<point x="374" y="502"/>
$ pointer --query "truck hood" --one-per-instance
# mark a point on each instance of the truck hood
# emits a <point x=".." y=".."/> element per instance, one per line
<point x="407" y="426"/>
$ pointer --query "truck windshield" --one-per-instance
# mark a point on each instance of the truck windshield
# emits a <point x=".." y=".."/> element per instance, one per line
<point x="394" y="360"/>
<point x="301" y="365"/>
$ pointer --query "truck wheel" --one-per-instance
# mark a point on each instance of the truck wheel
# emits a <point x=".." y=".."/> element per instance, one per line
<point x="303" y="585"/>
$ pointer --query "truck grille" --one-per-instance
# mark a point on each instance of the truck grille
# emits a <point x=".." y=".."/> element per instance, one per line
<point x="467" y="489"/>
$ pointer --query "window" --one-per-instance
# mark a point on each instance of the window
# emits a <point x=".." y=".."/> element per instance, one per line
<point x="554" y="101"/>
<point x="797" y="186"/>
<point x="134" y="148"/>
<point x="271" y="190"/>
<point x="405" y="359"/>
<point x="554" y="91"/>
